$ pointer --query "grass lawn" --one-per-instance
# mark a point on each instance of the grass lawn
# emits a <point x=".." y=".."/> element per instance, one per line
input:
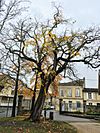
<point x="19" y="125"/>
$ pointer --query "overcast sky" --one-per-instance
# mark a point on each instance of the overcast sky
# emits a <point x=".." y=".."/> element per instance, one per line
<point x="86" y="13"/>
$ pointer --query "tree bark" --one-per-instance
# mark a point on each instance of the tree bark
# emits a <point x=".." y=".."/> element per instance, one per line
<point x="16" y="90"/>
<point x="15" y="97"/>
<point x="37" y="110"/>
<point x="34" y="94"/>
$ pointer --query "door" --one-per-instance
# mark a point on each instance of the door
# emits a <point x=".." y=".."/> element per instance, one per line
<point x="70" y="106"/>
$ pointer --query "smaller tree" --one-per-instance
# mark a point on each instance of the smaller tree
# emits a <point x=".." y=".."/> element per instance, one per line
<point x="8" y="12"/>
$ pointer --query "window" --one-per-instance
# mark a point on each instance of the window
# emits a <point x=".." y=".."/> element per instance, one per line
<point x="90" y="104"/>
<point x="98" y="104"/>
<point x="77" y="92"/>
<point x="61" y="93"/>
<point x="70" y="104"/>
<point x="1" y="87"/>
<point x="89" y="95"/>
<point x="69" y="94"/>
<point x="78" y="104"/>
<point x="4" y="99"/>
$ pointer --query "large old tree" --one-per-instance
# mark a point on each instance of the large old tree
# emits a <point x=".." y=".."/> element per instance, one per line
<point x="52" y="48"/>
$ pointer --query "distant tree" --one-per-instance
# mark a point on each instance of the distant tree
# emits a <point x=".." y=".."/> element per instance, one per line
<point x="9" y="10"/>
<point x="53" y="48"/>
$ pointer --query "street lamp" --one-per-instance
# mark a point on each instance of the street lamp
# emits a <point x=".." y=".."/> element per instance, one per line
<point x="99" y="82"/>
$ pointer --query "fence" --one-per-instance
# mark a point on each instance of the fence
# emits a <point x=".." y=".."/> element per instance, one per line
<point x="79" y="107"/>
<point x="6" y="103"/>
<point x="71" y="107"/>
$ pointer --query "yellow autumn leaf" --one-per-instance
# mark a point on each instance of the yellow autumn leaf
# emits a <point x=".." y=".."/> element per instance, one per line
<point x="52" y="35"/>
<point x="74" y="53"/>
<point x="65" y="38"/>
<point x="39" y="73"/>
<point x="45" y="91"/>
<point x="30" y="42"/>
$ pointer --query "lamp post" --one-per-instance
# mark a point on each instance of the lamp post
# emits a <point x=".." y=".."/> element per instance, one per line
<point x="99" y="82"/>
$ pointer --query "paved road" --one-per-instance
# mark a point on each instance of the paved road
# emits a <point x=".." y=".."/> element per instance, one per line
<point x="82" y="125"/>
<point x="69" y="118"/>
<point x="89" y="127"/>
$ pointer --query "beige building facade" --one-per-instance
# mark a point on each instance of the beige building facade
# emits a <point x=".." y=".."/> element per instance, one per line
<point x="91" y="96"/>
<point x="74" y="96"/>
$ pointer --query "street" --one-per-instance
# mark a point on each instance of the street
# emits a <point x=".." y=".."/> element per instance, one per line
<point x="69" y="118"/>
<point x="87" y="127"/>
<point x="82" y="125"/>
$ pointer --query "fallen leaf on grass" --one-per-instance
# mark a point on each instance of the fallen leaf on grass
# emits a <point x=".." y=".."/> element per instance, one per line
<point x="20" y="130"/>
<point x="49" y="131"/>
<point x="27" y="131"/>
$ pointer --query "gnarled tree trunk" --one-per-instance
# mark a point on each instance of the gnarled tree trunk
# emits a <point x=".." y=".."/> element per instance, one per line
<point x="38" y="106"/>
<point x="34" y="94"/>
<point x="37" y="109"/>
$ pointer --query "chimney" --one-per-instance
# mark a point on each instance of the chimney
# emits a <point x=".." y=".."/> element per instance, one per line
<point x="99" y="82"/>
